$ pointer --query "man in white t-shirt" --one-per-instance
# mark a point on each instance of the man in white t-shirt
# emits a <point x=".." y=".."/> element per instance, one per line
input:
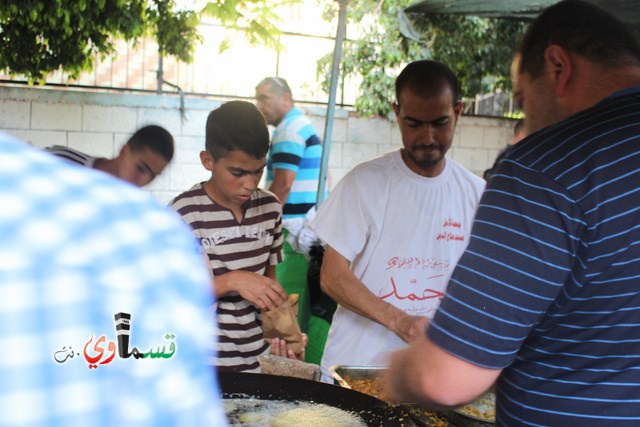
<point x="396" y="225"/>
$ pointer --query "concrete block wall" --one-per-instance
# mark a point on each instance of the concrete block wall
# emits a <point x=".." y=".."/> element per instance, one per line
<point x="100" y="123"/>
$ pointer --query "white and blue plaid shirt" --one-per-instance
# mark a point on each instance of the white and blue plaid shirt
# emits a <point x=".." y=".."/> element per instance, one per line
<point x="77" y="247"/>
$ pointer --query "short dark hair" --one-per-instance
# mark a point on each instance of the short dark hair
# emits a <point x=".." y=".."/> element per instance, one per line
<point x="426" y="78"/>
<point x="237" y="125"/>
<point x="581" y="28"/>
<point x="155" y="138"/>
<point x="276" y="84"/>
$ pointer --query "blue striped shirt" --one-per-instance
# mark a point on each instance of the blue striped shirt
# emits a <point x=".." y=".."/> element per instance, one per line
<point x="549" y="286"/>
<point x="297" y="147"/>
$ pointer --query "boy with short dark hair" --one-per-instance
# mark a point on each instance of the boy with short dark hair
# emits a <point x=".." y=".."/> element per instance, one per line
<point x="240" y="230"/>
<point x="144" y="156"/>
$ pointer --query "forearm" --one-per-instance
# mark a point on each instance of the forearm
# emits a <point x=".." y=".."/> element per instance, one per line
<point x="235" y="281"/>
<point x="265" y="292"/>
<point x="354" y="295"/>
<point x="281" y="192"/>
<point x="224" y="284"/>
<point x="427" y="374"/>
<point x="406" y="380"/>
<point x="338" y="281"/>
<point x="282" y="183"/>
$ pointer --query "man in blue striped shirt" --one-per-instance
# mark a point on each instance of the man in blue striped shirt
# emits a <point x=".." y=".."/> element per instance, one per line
<point x="293" y="167"/>
<point x="546" y="297"/>
<point x="293" y="172"/>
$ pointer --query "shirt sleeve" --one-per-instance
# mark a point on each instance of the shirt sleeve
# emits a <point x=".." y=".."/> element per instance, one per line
<point x="343" y="220"/>
<point x="521" y="251"/>
<point x="287" y="150"/>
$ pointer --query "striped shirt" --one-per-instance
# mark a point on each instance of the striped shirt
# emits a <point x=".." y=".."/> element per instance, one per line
<point x="252" y="245"/>
<point x="72" y="155"/>
<point x="549" y="286"/>
<point x="296" y="146"/>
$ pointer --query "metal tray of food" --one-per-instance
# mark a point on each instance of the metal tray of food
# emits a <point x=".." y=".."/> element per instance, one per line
<point x="365" y="380"/>
<point x="345" y="376"/>
<point x="482" y="411"/>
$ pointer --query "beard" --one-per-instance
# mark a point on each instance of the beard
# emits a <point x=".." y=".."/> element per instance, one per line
<point x="428" y="162"/>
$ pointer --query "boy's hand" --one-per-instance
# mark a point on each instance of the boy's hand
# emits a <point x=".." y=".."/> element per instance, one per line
<point x="279" y="348"/>
<point x="262" y="291"/>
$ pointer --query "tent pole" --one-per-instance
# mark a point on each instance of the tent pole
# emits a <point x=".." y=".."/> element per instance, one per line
<point x="331" y="106"/>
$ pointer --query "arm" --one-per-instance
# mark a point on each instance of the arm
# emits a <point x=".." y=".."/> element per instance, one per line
<point x="282" y="182"/>
<point x="426" y="374"/>
<point x="338" y="281"/>
<point x="265" y="292"/>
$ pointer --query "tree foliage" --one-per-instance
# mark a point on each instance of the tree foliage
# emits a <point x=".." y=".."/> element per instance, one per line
<point x="43" y="36"/>
<point x="40" y="37"/>
<point x="256" y="19"/>
<point x="382" y="40"/>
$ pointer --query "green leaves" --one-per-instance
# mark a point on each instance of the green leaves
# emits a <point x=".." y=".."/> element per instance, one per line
<point x="256" y="18"/>
<point x="44" y="36"/>
<point x="382" y="41"/>
<point x="175" y="32"/>
<point x="56" y="34"/>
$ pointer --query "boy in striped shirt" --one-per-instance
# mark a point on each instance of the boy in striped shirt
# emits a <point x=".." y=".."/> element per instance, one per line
<point x="239" y="227"/>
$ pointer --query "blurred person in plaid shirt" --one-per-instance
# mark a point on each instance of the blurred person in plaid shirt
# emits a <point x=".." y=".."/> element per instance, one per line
<point x="76" y="248"/>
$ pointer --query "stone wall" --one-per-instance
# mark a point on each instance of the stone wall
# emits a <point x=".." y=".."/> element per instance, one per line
<point x="100" y="123"/>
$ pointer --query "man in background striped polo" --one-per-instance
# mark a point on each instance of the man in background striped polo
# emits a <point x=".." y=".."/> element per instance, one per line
<point x="293" y="172"/>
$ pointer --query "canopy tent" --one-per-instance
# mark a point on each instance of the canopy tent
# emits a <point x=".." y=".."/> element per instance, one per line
<point x="627" y="11"/>
<point x="519" y="9"/>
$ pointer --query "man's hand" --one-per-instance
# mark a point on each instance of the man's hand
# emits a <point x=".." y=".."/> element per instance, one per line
<point x="408" y="327"/>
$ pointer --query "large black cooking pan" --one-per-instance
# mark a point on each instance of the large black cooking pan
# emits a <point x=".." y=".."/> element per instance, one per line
<point x="261" y="386"/>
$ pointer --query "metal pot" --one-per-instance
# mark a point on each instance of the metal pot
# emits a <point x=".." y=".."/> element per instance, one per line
<point x="272" y="387"/>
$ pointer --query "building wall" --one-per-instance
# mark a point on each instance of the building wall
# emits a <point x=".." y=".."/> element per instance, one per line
<point x="100" y="123"/>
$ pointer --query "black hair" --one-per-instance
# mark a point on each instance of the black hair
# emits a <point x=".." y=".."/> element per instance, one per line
<point x="237" y="125"/>
<point x="426" y="78"/>
<point x="155" y="138"/>
<point x="581" y="28"/>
